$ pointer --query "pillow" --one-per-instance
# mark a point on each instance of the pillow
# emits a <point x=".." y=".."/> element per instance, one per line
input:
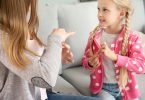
<point x="62" y="1"/>
<point x="80" y="18"/>
<point x="48" y="19"/>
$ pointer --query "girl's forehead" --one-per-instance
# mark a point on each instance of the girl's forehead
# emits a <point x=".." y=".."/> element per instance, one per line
<point x="106" y="3"/>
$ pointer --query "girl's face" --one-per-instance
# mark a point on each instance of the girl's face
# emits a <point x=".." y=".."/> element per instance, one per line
<point x="108" y="13"/>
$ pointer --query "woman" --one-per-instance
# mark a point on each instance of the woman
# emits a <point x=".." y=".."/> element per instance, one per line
<point x="25" y="62"/>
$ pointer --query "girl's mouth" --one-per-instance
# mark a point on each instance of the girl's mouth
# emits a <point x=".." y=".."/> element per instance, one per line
<point x="101" y="21"/>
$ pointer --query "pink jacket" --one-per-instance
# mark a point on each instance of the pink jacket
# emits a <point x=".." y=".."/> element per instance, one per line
<point x="134" y="62"/>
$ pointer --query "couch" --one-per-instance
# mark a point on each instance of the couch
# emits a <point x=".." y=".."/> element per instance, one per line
<point x="81" y="18"/>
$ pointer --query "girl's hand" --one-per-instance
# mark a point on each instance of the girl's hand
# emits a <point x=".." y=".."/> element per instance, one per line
<point x="62" y="33"/>
<point x="108" y="52"/>
<point x="93" y="58"/>
<point x="67" y="55"/>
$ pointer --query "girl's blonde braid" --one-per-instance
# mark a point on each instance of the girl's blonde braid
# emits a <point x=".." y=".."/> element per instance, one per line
<point x="123" y="71"/>
<point x="94" y="31"/>
<point x="92" y="36"/>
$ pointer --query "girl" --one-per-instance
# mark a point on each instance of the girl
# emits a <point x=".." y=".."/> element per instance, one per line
<point x="24" y="60"/>
<point x="114" y="53"/>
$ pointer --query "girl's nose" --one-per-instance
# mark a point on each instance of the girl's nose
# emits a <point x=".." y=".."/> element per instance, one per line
<point x="99" y="14"/>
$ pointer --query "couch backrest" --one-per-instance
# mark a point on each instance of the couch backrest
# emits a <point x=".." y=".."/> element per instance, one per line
<point x="61" y="1"/>
<point x="138" y="17"/>
<point x="80" y="18"/>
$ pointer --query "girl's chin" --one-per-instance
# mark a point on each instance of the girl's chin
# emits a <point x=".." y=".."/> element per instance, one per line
<point x="103" y="26"/>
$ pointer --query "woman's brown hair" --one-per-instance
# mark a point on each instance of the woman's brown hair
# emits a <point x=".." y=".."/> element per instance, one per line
<point x="14" y="21"/>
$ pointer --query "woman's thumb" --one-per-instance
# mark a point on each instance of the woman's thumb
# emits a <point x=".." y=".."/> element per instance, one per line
<point x="70" y="33"/>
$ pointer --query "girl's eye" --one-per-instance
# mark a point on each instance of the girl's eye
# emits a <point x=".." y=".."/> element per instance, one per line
<point x="105" y="10"/>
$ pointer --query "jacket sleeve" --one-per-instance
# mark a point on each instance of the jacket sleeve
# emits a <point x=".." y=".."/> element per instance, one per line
<point x="136" y="60"/>
<point x="43" y="71"/>
<point x="85" y="57"/>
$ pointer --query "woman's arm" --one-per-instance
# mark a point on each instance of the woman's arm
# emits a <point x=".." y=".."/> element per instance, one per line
<point x="42" y="71"/>
<point x="45" y="67"/>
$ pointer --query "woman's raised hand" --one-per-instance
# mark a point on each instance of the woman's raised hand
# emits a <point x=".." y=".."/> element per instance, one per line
<point x="62" y="33"/>
<point x="67" y="55"/>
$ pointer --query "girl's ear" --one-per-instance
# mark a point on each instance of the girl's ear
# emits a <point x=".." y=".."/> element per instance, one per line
<point x="122" y="13"/>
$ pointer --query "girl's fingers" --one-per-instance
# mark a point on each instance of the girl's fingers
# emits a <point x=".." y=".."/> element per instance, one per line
<point x="97" y="53"/>
<point x="104" y="43"/>
<point x="95" y="64"/>
<point x="90" y="53"/>
<point x="93" y="61"/>
<point x="103" y="47"/>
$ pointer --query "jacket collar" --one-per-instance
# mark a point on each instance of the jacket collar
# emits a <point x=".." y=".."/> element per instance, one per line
<point x="99" y="32"/>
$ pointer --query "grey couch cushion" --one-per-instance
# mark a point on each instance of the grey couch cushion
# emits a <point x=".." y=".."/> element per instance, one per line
<point x="79" y="78"/>
<point x="65" y="87"/>
<point x="141" y="84"/>
<point x="62" y="86"/>
<point x="80" y="18"/>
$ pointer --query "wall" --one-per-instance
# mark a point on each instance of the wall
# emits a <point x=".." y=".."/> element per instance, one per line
<point x="61" y="1"/>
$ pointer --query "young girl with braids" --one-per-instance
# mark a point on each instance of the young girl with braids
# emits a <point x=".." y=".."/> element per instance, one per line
<point x="114" y="53"/>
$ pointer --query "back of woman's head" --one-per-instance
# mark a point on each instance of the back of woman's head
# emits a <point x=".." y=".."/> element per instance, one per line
<point x="14" y="21"/>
